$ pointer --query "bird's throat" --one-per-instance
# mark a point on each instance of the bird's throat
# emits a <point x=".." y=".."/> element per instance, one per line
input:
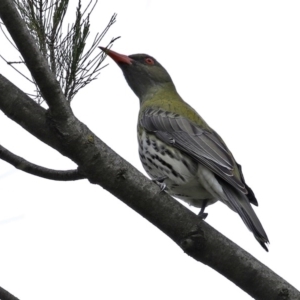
<point x="161" y="93"/>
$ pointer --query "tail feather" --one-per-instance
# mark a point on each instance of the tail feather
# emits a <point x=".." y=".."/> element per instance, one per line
<point x="240" y="204"/>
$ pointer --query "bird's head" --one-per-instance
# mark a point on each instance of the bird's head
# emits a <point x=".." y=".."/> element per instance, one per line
<point x="143" y="73"/>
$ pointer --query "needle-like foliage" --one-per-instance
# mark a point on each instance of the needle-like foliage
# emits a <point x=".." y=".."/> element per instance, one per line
<point x="73" y="62"/>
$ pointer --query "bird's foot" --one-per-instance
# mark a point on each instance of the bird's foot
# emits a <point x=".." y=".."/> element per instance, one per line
<point x="160" y="182"/>
<point x="202" y="215"/>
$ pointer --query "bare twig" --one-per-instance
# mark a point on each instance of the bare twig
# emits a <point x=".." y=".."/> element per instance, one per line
<point x="33" y="169"/>
<point x="16" y="62"/>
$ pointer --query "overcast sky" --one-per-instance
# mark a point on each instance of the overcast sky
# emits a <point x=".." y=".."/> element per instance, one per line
<point x="237" y="63"/>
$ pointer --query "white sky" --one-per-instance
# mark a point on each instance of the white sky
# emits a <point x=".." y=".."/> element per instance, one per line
<point x="237" y="63"/>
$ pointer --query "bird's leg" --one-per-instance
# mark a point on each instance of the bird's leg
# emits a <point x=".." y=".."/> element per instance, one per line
<point x="160" y="182"/>
<point x="202" y="214"/>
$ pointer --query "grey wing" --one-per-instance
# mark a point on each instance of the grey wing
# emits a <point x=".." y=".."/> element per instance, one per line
<point x="207" y="148"/>
<point x="204" y="146"/>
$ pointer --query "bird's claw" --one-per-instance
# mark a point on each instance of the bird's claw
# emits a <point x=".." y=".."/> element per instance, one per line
<point x="160" y="183"/>
<point x="202" y="215"/>
<point x="162" y="187"/>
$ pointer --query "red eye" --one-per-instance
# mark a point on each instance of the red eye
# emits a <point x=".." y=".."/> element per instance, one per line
<point x="149" y="61"/>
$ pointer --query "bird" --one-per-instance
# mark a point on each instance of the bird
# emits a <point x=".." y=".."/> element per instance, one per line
<point x="179" y="150"/>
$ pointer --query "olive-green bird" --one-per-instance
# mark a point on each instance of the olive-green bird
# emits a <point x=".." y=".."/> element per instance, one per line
<point x="177" y="148"/>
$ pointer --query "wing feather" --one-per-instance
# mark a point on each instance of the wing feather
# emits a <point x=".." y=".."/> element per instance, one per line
<point x="204" y="146"/>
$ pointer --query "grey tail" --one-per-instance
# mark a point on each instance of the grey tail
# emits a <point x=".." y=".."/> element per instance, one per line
<point x="240" y="204"/>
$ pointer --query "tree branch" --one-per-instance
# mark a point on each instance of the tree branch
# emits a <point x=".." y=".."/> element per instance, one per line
<point x="5" y="295"/>
<point x="194" y="236"/>
<point x="27" y="113"/>
<point x="28" y="167"/>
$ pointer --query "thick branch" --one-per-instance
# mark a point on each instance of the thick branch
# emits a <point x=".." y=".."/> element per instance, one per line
<point x="34" y="60"/>
<point x="27" y="113"/>
<point x="28" y="167"/>
<point x="194" y="236"/>
<point x="5" y="295"/>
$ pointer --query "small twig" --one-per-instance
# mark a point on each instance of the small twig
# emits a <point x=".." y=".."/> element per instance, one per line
<point x="15" y="62"/>
<point x="33" y="169"/>
<point x="10" y="64"/>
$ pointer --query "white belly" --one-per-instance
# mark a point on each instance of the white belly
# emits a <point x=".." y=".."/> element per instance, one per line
<point x="183" y="177"/>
